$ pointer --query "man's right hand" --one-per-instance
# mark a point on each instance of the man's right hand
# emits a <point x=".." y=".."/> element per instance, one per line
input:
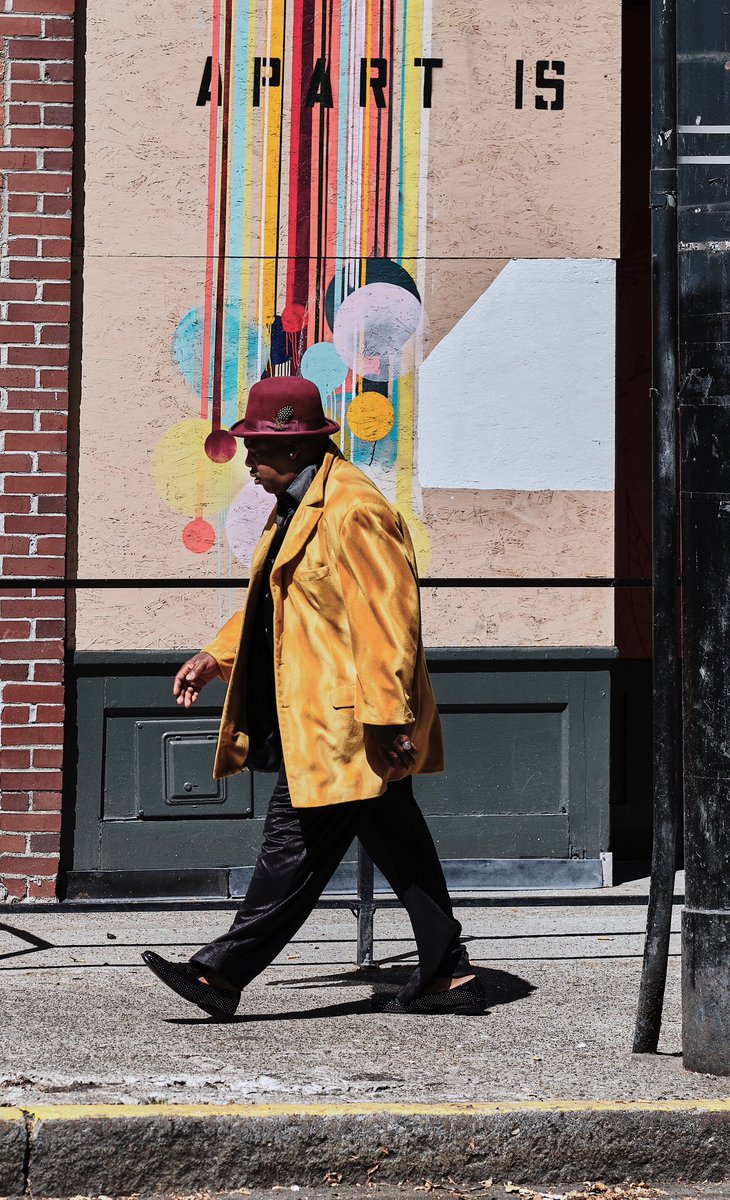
<point x="193" y="676"/>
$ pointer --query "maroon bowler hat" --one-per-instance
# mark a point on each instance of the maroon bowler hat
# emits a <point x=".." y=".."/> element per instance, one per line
<point x="284" y="406"/>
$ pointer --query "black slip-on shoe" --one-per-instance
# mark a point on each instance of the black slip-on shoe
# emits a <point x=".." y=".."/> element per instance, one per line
<point x="467" y="1000"/>
<point x="182" y="978"/>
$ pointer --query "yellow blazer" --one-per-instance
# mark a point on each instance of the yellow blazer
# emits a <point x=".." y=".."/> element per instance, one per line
<point x="347" y="643"/>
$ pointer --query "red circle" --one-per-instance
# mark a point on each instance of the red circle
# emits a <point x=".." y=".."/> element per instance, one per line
<point x="292" y="318"/>
<point x="198" y="536"/>
<point x="220" y="446"/>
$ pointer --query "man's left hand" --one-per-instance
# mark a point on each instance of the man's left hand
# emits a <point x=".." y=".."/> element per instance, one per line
<point x="393" y="745"/>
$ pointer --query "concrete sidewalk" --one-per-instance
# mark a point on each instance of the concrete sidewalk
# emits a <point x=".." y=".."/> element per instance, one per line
<point x="86" y="1023"/>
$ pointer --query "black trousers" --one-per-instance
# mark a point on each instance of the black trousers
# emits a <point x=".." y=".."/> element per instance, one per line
<point x="300" y="851"/>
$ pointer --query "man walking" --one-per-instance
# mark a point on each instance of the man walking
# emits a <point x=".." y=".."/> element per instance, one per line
<point x="328" y="686"/>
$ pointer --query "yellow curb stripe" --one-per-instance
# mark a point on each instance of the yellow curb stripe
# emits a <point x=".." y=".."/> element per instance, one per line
<point x="11" y="1114"/>
<point x="70" y="1112"/>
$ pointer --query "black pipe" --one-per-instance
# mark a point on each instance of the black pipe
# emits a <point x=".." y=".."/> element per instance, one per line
<point x="666" y="721"/>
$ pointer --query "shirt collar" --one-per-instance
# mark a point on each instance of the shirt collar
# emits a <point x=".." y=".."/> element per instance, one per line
<point x="290" y="500"/>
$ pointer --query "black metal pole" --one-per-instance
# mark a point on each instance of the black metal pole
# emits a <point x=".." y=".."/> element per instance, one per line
<point x="366" y="908"/>
<point x="704" y="417"/>
<point x="664" y="400"/>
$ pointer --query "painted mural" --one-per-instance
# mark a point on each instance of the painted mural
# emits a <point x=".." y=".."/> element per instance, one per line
<point x="396" y="199"/>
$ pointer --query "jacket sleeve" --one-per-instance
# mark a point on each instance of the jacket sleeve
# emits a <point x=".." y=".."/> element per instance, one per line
<point x="225" y="644"/>
<point x="380" y="590"/>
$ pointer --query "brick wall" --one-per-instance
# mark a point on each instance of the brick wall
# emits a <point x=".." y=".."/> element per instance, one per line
<point x="36" y="39"/>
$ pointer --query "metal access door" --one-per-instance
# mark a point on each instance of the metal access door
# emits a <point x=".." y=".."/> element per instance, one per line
<point x="523" y="801"/>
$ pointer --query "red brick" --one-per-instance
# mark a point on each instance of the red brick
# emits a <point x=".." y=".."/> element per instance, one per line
<point x="56" y="114"/>
<point x="16" y="291"/>
<point x="45" y="843"/>
<point x="43" y="93"/>
<point x="51" y="672"/>
<point x="17" y="420"/>
<point x="33" y="651"/>
<point x="47" y="802"/>
<point x="25" y="70"/>
<point x="39" y="181"/>
<point x="56" y="247"/>
<point x="45" y="138"/>
<point x="16" y="802"/>
<point x="51" y="378"/>
<point x="32" y="823"/>
<point x="59" y="27"/>
<point x="15" y="716"/>
<point x="59" y="72"/>
<point x="42" y="889"/>
<point x="54" y="422"/>
<point x="32" y="781"/>
<point x="15" y="629"/>
<point x="15" y="504"/>
<point x="31" y="866"/>
<point x="17" y="335"/>
<point x="22" y="248"/>
<point x="51" y="504"/>
<point x="16" y="463"/>
<point x="36" y="401"/>
<point x="33" y="606"/>
<point x="58" y="160"/>
<point x="16" y="888"/>
<point x="38" y="312"/>
<point x="53" y="463"/>
<point x="57" y="291"/>
<point x="35" y="441"/>
<point x="47" y="49"/>
<point x="43" y="6"/>
<point x="18" y="160"/>
<point x="25" y="204"/>
<point x="35" y="524"/>
<point x="40" y="226"/>
<point x="48" y="756"/>
<point x="37" y="356"/>
<point x="52" y="546"/>
<point x="33" y="693"/>
<point x="48" y="714"/>
<point x="14" y="545"/>
<point x="10" y="671"/>
<point x="33" y="735"/>
<point x="60" y="205"/>
<point x="18" y="760"/>
<point x="29" y="485"/>
<point x="16" y="377"/>
<point x="39" y="270"/>
<point x="24" y="114"/>
<point x="24" y="27"/>
<point x="14" y="843"/>
<point x="55" y="335"/>
<point x="34" y="568"/>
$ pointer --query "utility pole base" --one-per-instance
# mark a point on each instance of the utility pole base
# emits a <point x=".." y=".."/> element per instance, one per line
<point x="706" y="991"/>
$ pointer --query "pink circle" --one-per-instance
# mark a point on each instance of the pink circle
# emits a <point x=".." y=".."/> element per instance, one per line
<point x="246" y="519"/>
<point x="198" y="536"/>
<point x="220" y="446"/>
<point x="379" y="331"/>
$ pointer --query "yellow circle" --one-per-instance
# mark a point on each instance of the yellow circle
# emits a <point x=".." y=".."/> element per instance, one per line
<point x="186" y="478"/>
<point x="370" y="416"/>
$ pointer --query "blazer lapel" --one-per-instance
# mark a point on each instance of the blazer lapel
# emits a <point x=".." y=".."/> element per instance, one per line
<point x="306" y="517"/>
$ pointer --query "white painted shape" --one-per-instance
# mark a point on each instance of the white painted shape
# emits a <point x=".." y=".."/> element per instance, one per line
<point x="520" y="393"/>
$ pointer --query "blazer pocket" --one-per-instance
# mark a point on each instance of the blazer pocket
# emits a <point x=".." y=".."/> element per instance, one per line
<point x="343" y="696"/>
<point x="314" y="573"/>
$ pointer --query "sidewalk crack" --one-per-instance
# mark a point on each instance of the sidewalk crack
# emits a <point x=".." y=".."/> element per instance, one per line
<point x="29" y="1122"/>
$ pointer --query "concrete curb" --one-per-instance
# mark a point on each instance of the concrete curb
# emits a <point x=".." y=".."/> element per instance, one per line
<point x="115" y="1150"/>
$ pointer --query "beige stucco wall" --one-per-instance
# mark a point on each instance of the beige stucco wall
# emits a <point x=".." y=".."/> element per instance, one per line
<point x="494" y="185"/>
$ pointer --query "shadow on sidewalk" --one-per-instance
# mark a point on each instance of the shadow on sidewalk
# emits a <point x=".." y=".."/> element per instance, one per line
<point x="501" y="987"/>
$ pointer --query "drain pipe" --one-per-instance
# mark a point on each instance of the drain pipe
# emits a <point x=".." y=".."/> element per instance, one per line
<point x="666" y="705"/>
